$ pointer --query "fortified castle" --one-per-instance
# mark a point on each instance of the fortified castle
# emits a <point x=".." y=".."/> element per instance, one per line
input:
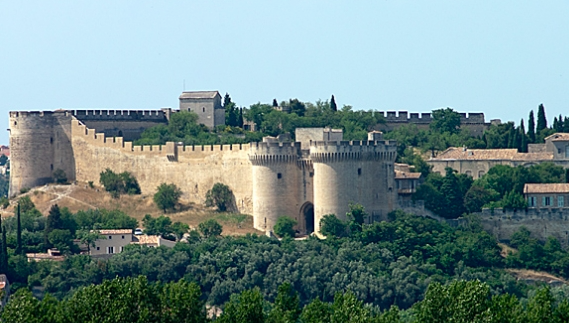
<point x="318" y="174"/>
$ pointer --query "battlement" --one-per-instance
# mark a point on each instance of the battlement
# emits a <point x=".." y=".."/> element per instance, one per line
<point x="405" y="117"/>
<point x="262" y="153"/>
<point x="122" y="115"/>
<point x="329" y="151"/>
<point x="24" y="114"/>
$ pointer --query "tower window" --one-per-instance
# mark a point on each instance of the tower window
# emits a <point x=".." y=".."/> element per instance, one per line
<point x="203" y="109"/>
<point x="279" y="175"/>
<point x="15" y="123"/>
<point x="51" y="166"/>
<point x="51" y="140"/>
<point x="359" y="171"/>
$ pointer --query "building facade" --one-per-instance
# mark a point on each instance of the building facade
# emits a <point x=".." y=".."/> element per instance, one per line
<point x="206" y="104"/>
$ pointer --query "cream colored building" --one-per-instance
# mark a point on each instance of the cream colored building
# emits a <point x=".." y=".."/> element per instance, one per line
<point x="477" y="162"/>
<point x="111" y="242"/>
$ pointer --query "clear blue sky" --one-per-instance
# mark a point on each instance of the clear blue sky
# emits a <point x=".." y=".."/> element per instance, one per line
<point x="502" y="58"/>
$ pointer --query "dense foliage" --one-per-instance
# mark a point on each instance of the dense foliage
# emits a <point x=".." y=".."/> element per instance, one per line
<point x="117" y="184"/>
<point x="220" y="196"/>
<point x="453" y="195"/>
<point x="167" y="196"/>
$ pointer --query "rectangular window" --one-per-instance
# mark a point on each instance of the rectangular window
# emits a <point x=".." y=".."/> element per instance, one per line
<point x="110" y="250"/>
<point x="121" y="249"/>
<point x="532" y="201"/>
<point x="546" y="201"/>
<point x="560" y="201"/>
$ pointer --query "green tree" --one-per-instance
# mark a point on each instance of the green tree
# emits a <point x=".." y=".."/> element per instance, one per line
<point x="179" y="229"/>
<point x="22" y="308"/>
<point x="347" y="308"/>
<point x="181" y="302"/>
<point x="53" y="222"/>
<point x="246" y="307"/>
<point x="316" y="312"/>
<point x="157" y="226"/>
<point x="167" y="196"/>
<point x="297" y="107"/>
<point x="231" y="112"/>
<point x="531" y="127"/>
<point x="445" y="120"/>
<point x="541" y="119"/>
<point x="286" y="308"/>
<point x="477" y="197"/>
<point x="285" y="227"/>
<point x="26" y="204"/>
<point x="333" y="105"/>
<point x="62" y="240"/>
<point x="331" y="226"/>
<point x="219" y="196"/>
<point x="210" y="228"/>
<point x="19" y="249"/>
<point x="453" y="198"/>
<point x="89" y="237"/>
<point x="3" y="160"/>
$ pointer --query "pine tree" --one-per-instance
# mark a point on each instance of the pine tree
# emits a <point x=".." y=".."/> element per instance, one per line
<point x="541" y="120"/>
<point x="333" y="105"/>
<point x="18" y="232"/>
<point x="531" y="127"/>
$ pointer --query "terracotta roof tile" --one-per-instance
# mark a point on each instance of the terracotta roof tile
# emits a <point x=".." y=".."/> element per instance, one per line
<point x="546" y="188"/>
<point x="559" y="136"/>
<point x="406" y="175"/>
<point x="455" y="153"/>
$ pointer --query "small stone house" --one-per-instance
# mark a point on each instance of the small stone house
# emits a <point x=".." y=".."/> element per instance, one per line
<point x="206" y="104"/>
<point x="552" y="195"/>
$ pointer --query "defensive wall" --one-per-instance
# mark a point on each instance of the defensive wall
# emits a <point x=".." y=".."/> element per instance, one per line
<point x="268" y="179"/>
<point x="394" y="119"/>
<point x="542" y="223"/>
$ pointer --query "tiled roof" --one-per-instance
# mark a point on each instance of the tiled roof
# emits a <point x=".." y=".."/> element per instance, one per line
<point x="560" y="136"/>
<point x="406" y="175"/>
<point x="119" y="231"/>
<point x="546" y="188"/>
<point x="198" y="94"/>
<point x="455" y="153"/>
<point x="146" y="239"/>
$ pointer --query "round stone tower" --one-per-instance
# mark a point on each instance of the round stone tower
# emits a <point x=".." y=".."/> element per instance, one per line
<point x="40" y="143"/>
<point x="353" y="172"/>
<point x="276" y="178"/>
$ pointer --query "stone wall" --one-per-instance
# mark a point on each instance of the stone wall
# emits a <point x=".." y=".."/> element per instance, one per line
<point x="474" y="122"/>
<point x="542" y="223"/>
<point x="194" y="169"/>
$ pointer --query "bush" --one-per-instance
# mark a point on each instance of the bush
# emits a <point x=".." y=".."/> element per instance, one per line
<point x="167" y="196"/>
<point x="330" y="225"/>
<point x="118" y="184"/>
<point x="59" y="176"/>
<point x="284" y="227"/>
<point x="4" y="202"/>
<point x="210" y="228"/>
<point x="219" y="196"/>
<point x="24" y="190"/>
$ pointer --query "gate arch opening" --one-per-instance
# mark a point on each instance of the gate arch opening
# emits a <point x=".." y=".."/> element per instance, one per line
<point x="307" y="215"/>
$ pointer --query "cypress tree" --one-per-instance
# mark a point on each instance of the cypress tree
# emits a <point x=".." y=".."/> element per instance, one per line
<point x="333" y="105"/>
<point x="531" y="127"/>
<point x="18" y="232"/>
<point x="240" y="119"/>
<point x="53" y="222"/>
<point x="560" y="124"/>
<point x="524" y="139"/>
<point x="541" y="120"/>
<point x="4" y="259"/>
<point x="275" y="103"/>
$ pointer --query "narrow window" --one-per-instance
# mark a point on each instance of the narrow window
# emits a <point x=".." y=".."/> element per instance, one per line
<point x="51" y="140"/>
<point x="532" y="201"/>
<point x="123" y="237"/>
<point x="98" y="248"/>
<point x="110" y="250"/>
<point x="51" y="166"/>
<point x="15" y="123"/>
<point x="110" y="237"/>
<point x="560" y="201"/>
<point x="279" y="175"/>
<point x="359" y="171"/>
<point x="203" y="109"/>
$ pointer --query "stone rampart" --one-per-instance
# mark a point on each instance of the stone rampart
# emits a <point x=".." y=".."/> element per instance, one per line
<point x="404" y="116"/>
<point x="122" y="115"/>
<point x="542" y="223"/>
<point x="194" y="169"/>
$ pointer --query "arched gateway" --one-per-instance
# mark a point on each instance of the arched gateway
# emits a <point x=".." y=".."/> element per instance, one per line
<point x="307" y="217"/>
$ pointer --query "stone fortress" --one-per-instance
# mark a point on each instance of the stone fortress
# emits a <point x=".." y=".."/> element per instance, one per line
<point x="318" y="174"/>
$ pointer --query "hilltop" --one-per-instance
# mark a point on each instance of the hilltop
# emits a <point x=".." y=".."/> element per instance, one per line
<point x="80" y="196"/>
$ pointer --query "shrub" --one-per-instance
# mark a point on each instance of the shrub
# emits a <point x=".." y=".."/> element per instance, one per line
<point x="167" y="196"/>
<point x="4" y="202"/>
<point x="118" y="184"/>
<point x="91" y="185"/>
<point x="24" y="190"/>
<point x="219" y="196"/>
<point x="284" y="227"/>
<point x="210" y="228"/>
<point x="59" y="176"/>
<point x="330" y="225"/>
